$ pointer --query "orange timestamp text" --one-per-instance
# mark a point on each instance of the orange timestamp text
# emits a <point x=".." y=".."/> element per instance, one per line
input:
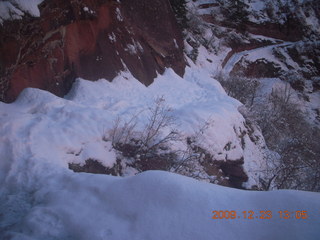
<point x="263" y="214"/>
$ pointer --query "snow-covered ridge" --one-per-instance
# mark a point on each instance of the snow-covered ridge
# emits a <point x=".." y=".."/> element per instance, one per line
<point x="15" y="9"/>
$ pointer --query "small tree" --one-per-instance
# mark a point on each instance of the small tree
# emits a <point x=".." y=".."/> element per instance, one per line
<point x="235" y="11"/>
<point x="180" y="10"/>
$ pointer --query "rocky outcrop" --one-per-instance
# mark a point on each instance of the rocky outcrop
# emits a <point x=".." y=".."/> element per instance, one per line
<point x="291" y="31"/>
<point x="91" y="39"/>
<point x="261" y="68"/>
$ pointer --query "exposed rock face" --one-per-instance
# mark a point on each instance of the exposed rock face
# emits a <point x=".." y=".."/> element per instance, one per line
<point x="291" y="31"/>
<point x="91" y="39"/>
<point x="257" y="69"/>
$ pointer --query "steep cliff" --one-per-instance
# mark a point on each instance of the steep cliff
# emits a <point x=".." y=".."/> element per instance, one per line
<point x="92" y="39"/>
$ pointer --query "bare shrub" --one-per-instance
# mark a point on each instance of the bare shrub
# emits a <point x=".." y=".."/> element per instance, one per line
<point x="159" y="119"/>
<point x="157" y="145"/>
<point x="154" y="145"/>
<point x="288" y="133"/>
<point x="279" y="117"/>
<point x="122" y="133"/>
<point x="295" y="79"/>
<point x="195" y="23"/>
<point x="241" y="88"/>
<point x="192" y="158"/>
<point x="149" y="146"/>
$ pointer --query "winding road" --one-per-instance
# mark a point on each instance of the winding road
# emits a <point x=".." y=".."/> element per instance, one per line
<point x="236" y="57"/>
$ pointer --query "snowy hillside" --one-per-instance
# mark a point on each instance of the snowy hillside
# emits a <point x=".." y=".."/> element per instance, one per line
<point x="265" y="54"/>
<point x="42" y="199"/>
<point x="116" y="159"/>
<point x="77" y="128"/>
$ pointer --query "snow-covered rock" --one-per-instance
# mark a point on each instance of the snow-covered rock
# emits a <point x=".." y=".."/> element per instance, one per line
<point x="16" y="9"/>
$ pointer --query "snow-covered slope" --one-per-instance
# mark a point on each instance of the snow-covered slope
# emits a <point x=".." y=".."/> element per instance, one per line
<point x="266" y="39"/>
<point x="72" y="130"/>
<point x="42" y="199"/>
<point x="42" y="134"/>
<point x="274" y="44"/>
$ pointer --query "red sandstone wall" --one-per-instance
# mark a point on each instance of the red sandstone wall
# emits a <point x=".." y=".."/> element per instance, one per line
<point x="68" y="42"/>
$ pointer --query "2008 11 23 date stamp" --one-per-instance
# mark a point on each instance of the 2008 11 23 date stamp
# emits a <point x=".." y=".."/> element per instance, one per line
<point x="263" y="214"/>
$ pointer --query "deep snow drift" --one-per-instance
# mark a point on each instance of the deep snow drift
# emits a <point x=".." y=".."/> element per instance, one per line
<point x="153" y="205"/>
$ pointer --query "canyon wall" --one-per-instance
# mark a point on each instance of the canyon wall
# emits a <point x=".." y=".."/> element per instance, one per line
<point x="91" y="39"/>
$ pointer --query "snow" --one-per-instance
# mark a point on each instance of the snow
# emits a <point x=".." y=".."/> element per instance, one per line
<point x="255" y="54"/>
<point x="134" y="48"/>
<point x="30" y="6"/>
<point x="86" y="9"/>
<point x="267" y="85"/>
<point x="175" y="43"/>
<point x="112" y="37"/>
<point x="257" y="5"/>
<point x="312" y="20"/>
<point x="119" y="16"/>
<point x="41" y="134"/>
<point x="15" y="9"/>
<point x="194" y="99"/>
<point x="151" y="205"/>
<point x="78" y="124"/>
<point x="264" y="38"/>
<point x="211" y="62"/>
<point x="42" y="199"/>
<point x="7" y="11"/>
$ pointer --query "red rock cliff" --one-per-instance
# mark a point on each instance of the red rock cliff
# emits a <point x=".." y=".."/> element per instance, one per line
<point x="91" y="39"/>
